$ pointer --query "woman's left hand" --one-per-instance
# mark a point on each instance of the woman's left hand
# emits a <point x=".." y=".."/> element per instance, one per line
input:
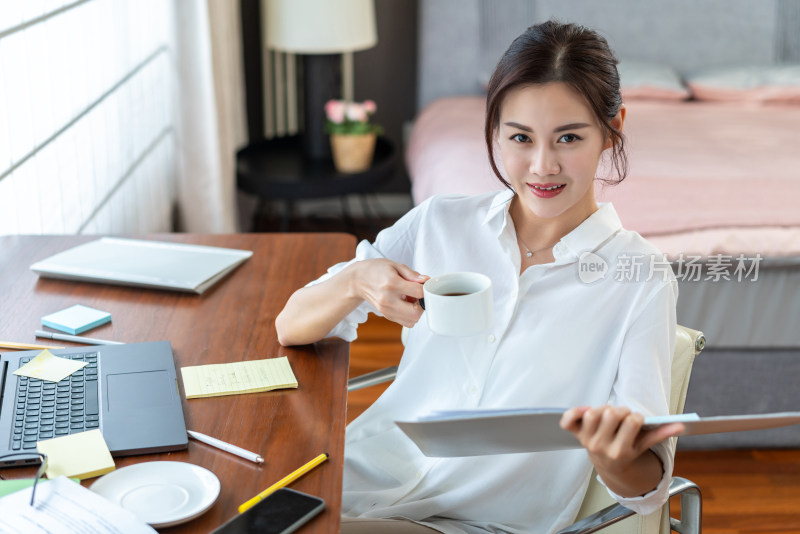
<point x="618" y="447"/>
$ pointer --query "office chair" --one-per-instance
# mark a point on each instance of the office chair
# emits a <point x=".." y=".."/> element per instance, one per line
<point x="599" y="511"/>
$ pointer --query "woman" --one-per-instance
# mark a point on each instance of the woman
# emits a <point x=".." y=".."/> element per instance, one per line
<point x="601" y="344"/>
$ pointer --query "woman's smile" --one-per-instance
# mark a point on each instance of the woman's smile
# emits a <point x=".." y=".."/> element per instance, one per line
<point x="546" y="190"/>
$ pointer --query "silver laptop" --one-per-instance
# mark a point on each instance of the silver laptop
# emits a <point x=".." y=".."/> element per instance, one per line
<point x="135" y="262"/>
<point x="129" y="392"/>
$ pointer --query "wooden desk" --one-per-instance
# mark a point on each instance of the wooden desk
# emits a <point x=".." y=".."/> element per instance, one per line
<point x="232" y="321"/>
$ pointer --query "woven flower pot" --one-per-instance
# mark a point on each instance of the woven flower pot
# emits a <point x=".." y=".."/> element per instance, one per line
<point x="352" y="153"/>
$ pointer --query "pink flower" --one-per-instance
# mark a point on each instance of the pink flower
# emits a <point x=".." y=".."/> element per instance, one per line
<point x="350" y="118"/>
<point x="356" y="112"/>
<point x="335" y="109"/>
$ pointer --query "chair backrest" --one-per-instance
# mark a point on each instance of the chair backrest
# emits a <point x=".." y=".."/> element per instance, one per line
<point x="688" y="344"/>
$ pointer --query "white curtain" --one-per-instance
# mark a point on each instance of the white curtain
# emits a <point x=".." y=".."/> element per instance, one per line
<point x="114" y="111"/>
<point x="211" y="102"/>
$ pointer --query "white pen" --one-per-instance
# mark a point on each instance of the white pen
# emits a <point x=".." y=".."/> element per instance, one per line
<point x="77" y="339"/>
<point x="233" y="449"/>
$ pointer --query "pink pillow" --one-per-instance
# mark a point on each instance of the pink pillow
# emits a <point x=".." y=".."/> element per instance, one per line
<point x="765" y="84"/>
<point x="650" y="81"/>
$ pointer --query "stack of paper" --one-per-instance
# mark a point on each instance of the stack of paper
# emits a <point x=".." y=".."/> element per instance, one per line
<point x="7" y="487"/>
<point x="62" y="506"/>
<point x="237" y="378"/>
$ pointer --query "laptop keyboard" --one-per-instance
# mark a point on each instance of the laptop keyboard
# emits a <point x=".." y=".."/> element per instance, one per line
<point x="48" y="410"/>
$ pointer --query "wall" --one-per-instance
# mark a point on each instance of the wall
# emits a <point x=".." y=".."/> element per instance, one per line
<point x="387" y="74"/>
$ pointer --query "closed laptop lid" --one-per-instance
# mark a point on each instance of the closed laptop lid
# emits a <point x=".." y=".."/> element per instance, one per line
<point x="156" y="264"/>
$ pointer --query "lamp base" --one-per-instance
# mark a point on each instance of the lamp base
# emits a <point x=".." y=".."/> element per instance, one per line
<point x="322" y="81"/>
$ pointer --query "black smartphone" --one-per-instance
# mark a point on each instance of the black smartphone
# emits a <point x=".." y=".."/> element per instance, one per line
<point x="280" y="512"/>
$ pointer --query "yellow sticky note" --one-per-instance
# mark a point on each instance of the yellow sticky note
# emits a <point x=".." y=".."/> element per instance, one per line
<point x="236" y="378"/>
<point x="82" y="455"/>
<point x="47" y="366"/>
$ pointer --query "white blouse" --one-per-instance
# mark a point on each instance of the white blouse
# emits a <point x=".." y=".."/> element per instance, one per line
<point x="560" y="339"/>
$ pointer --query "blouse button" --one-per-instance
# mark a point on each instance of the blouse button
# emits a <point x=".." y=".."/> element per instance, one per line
<point x="491" y="338"/>
<point x="473" y="390"/>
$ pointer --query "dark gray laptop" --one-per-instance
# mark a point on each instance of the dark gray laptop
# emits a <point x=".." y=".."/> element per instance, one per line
<point x="129" y="392"/>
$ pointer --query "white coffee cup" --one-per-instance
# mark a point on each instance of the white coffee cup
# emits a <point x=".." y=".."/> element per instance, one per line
<point x="459" y="304"/>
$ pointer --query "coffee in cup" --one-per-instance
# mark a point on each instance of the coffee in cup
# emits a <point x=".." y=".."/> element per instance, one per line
<point x="458" y="304"/>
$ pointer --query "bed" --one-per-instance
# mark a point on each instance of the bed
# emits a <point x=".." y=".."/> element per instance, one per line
<point x="714" y="178"/>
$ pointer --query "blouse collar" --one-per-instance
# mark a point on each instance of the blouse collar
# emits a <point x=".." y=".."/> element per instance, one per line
<point x="586" y="237"/>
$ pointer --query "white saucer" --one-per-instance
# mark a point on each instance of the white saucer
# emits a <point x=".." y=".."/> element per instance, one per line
<point x="162" y="494"/>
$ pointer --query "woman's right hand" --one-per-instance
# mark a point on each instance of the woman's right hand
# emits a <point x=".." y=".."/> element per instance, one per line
<point x="392" y="288"/>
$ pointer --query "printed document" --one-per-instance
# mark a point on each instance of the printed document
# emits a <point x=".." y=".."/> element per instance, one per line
<point x="65" y="507"/>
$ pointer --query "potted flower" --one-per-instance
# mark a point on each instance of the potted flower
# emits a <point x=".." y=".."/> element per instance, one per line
<point x="352" y="135"/>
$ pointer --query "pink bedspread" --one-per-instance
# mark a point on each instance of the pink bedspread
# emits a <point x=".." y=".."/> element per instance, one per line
<point x="705" y="178"/>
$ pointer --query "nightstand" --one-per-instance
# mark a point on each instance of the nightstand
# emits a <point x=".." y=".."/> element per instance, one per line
<point x="277" y="169"/>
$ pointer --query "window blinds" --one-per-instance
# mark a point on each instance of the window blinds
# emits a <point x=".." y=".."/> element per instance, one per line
<point x="87" y="116"/>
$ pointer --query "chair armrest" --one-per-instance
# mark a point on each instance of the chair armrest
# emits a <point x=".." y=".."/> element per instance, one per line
<point x="372" y="379"/>
<point x="599" y="520"/>
<point x="691" y="508"/>
<point x="691" y="518"/>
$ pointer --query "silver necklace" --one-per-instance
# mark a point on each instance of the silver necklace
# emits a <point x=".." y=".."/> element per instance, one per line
<point x="528" y="252"/>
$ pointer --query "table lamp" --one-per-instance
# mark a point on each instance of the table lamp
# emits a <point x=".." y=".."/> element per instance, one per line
<point x="321" y="30"/>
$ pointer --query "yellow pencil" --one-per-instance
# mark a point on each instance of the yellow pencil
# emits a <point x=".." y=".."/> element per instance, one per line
<point x="285" y="481"/>
<point x="25" y="346"/>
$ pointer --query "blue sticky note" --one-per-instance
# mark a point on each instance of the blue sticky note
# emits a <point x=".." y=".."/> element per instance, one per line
<point x="76" y="319"/>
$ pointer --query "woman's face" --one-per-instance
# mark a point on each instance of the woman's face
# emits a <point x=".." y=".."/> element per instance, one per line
<point x="550" y="144"/>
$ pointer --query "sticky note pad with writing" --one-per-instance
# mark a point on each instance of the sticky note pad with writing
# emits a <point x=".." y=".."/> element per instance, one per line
<point x="82" y="455"/>
<point x="236" y="378"/>
<point x="76" y="319"/>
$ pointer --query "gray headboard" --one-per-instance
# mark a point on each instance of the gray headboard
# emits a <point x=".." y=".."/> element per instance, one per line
<point x="461" y="40"/>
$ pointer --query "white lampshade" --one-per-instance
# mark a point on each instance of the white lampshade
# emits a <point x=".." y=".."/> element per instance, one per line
<point x="320" y="26"/>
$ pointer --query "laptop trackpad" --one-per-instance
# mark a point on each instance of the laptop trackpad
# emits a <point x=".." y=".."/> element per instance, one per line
<point x="134" y="391"/>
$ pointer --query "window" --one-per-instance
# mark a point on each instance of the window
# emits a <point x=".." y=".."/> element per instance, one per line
<point x="87" y="116"/>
